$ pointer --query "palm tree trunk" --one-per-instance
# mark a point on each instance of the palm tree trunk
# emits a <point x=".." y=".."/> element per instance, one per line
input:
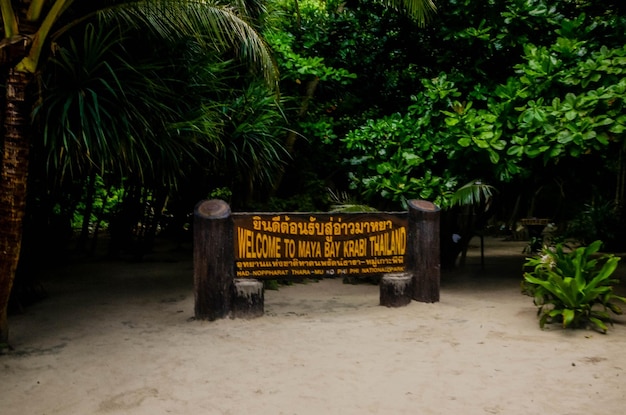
<point x="13" y="182"/>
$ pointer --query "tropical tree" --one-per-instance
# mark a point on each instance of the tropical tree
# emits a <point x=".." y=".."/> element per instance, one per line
<point x="335" y="58"/>
<point x="534" y="88"/>
<point x="108" y="119"/>
<point x="27" y="30"/>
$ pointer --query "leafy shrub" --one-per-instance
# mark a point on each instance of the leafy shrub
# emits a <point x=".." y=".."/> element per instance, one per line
<point x="574" y="287"/>
<point x="596" y="220"/>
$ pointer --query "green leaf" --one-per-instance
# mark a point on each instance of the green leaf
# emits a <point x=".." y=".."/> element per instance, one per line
<point x="465" y="141"/>
<point x="515" y="151"/>
<point x="614" y="308"/>
<point x="480" y="143"/>
<point x="451" y="122"/>
<point x="564" y="137"/>
<point x="494" y="157"/>
<point x="598" y="323"/>
<point x="498" y="145"/>
<point x="593" y="247"/>
<point x="383" y="168"/>
<point x="570" y="115"/>
<point x="568" y="317"/>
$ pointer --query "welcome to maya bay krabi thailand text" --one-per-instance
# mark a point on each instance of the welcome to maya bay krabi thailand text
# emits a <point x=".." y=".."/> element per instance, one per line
<point x="319" y="245"/>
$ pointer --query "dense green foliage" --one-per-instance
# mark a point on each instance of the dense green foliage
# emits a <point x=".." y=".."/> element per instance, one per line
<point x="305" y="105"/>
<point x="159" y="127"/>
<point x="573" y="288"/>
<point x="561" y="104"/>
<point x="520" y="94"/>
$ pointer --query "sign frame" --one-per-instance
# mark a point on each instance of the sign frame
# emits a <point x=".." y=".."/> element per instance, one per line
<point x="292" y="245"/>
<point x="214" y="253"/>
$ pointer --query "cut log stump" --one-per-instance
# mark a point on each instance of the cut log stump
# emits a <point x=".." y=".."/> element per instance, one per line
<point x="423" y="251"/>
<point x="396" y="289"/>
<point x="248" y="299"/>
<point x="213" y="259"/>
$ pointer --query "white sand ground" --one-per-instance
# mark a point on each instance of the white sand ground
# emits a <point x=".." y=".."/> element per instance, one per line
<point x="118" y="338"/>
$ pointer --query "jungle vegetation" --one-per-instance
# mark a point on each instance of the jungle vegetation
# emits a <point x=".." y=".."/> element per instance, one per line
<point x="119" y="116"/>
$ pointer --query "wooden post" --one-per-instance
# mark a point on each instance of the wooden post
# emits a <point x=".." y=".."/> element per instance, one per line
<point x="248" y="296"/>
<point x="213" y="259"/>
<point x="423" y="250"/>
<point x="396" y="289"/>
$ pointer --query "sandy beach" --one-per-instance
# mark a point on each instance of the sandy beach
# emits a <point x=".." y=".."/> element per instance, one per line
<point x="120" y="338"/>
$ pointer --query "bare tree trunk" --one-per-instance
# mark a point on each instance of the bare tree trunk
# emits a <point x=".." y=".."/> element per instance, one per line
<point x="13" y="184"/>
<point x="290" y="141"/>
<point x="81" y="244"/>
<point x="621" y="181"/>
<point x="304" y="107"/>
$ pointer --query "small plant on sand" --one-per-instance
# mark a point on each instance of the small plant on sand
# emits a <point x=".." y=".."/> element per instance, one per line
<point x="573" y="287"/>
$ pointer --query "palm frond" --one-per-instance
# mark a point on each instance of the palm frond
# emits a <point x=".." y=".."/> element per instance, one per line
<point x="107" y="108"/>
<point x="342" y="202"/>
<point x="215" y="25"/>
<point x="418" y="10"/>
<point x="472" y="193"/>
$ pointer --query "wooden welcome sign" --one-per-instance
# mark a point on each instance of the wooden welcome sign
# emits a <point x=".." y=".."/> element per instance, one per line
<point x="234" y="249"/>
<point x="297" y="245"/>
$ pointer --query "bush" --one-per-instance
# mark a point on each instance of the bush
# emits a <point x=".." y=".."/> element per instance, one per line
<point x="574" y="287"/>
<point x="596" y="220"/>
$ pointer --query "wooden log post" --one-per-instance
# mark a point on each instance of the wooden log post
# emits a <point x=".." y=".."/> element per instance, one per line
<point x="248" y="299"/>
<point x="423" y="250"/>
<point x="213" y="259"/>
<point x="396" y="289"/>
